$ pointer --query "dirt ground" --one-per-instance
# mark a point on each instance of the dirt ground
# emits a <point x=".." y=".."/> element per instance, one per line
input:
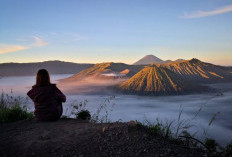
<point x="75" y="138"/>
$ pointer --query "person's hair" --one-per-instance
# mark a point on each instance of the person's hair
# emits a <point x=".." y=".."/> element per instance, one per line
<point x="42" y="78"/>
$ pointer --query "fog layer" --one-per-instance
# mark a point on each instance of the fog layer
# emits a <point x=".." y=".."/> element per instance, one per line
<point x="130" y="107"/>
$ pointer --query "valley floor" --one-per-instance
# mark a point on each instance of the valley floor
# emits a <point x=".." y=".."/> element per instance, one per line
<point x="71" y="137"/>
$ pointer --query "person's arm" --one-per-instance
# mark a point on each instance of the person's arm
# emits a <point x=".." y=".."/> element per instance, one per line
<point x="60" y="95"/>
<point x="31" y="93"/>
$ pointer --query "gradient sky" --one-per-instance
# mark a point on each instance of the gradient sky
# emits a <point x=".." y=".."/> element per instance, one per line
<point x="87" y="31"/>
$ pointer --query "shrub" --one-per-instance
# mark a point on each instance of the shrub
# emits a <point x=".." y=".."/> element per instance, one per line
<point x="211" y="144"/>
<point x="158" y="128"/>
<point x="102" y="114"/>
<point x="228" y="149"/>
<point x="84" y="115"/>
<point x="11" y="111"/>
<point x="13" y="114"/>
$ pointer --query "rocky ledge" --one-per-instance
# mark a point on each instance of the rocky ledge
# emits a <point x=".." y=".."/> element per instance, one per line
<point x="75" y="138"/>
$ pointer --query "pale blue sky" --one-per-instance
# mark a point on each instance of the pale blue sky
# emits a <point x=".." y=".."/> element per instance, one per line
<point x="115" y="30"/>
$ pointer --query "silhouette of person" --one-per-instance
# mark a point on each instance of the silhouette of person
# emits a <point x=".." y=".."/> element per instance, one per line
<point x="47" y="98"/>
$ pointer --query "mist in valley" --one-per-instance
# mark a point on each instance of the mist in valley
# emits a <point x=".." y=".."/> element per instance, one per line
<point x="90" y="85"/>
<point x="131" y="107"/>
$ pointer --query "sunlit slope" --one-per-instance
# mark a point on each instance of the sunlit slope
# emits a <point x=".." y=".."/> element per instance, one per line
<point x="198" y="71"/>
<point x="153" y="80"/>
<point x="106" y="71"/>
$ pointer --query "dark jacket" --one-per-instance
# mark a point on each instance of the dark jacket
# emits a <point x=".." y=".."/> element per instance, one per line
<point x="48" y="102"/>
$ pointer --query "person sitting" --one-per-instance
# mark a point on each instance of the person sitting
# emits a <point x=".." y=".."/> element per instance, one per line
<point x="47" y="98"/>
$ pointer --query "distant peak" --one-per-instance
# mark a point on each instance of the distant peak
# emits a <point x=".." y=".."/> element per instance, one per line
<point x="148" y="59"/>
<point x="194" y="60"/>
<point x="150" y="55"/>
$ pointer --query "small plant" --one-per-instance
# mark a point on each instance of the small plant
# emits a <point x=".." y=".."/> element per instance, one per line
<point x="160" y="128"/>
<point x="211" y="144"/>
<point x="156" y="128"/>
<point x="78" y="106"/>
<point x="228" y="149"/>
<point x="179" y="130"/>
<point x="102" y="115"/>
<point x="84" y="115"/>
<point x="14" y="114"/>
<point x="64" y="116"/>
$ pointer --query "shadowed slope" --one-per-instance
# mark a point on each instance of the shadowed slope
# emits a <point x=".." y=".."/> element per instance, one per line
<point x="228" y="69"/>
<point x="155" y="80"/>
<point x="198" y="71"/>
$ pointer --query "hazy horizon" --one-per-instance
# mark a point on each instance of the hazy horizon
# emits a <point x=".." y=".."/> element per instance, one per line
<point x="115" y="31"/>
<point x="229" y="65"/>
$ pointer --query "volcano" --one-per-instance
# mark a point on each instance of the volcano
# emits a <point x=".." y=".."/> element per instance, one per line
<point x="198" y="71"/>
<point x="149" y="59"/>
<point x="154" y="80"/>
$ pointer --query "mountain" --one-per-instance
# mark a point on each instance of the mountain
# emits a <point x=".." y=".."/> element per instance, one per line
<point x="178" y="60"/>
<point x="177" y="77"/>
<point x="154" y="80"/>
<point x="227" y="68"/>
<point x="53" y="67"/>
<point x="149" y="59"/>
<point x="198" y="71"/>
<point x="170" y="61"/>
<point x="167" y="61"/>
<point x="107" y="70"/>
<point x="99" y="78"/>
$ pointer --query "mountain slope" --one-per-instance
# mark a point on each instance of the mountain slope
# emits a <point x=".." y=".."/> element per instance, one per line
<point x="227" y="68"/>
<point x="53" y="67"/>
<point x="195" y="70"/>
<point x="149" y="59"/>
<point x="170" y="61"/>
<point x="153" y="80"/>
<point x="108" y="70"/>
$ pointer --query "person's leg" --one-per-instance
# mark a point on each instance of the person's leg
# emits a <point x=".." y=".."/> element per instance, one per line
<point x="60" y="109"/>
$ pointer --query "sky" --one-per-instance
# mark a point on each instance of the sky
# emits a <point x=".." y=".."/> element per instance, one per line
<point x="94" y="31"/>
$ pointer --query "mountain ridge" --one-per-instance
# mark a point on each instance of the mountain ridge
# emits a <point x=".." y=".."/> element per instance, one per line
<point x="53" y="67"/>
<point x="198" y="71"/>
<point x="107" y="70"/>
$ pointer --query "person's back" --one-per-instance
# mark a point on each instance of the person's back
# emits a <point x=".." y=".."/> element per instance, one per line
<point x="46" y="97"/>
